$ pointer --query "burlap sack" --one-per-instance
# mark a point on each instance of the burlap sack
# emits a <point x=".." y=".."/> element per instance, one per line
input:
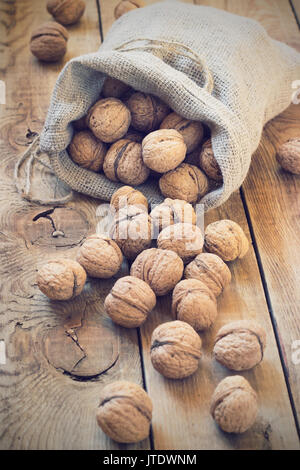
<point x="207" y="64"/>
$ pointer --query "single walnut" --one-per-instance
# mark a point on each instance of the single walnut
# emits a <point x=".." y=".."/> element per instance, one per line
<point x="288" y="156"/>
<point x="134" y="136"/>
<point x="49" y="42"/>
<point x="109" y="119"/>
<point x="127" y="5"/>
<point x="124" y="412"/>
<point x="100" y="256"/>
<point x="128" y="196"/>
<point x="163" y="150"/>
<point x="175" y="350"/>
<point x="87" y="151"/>
<point x="208" y="163"/>
<point x="185" y="239"/>
<point x="185" y="182"/>
<point x="147" y="111"/>
<point x="130" y="301"/>
<point x="61" y="279"/>
<point x="132" y="231"/>
<point x="191" y="131"/>
<point x="194" y="303"/>
<point x="172" y="211"/>
<point x="66" y="11"/>
<point x="226" y="239"/>
<point x="211" y="270"/>
<point x="240" y="345"/>
<point x="80" y="124"/>
<point x="114" y="88"/>
<point x="161" y="269"/>
<point x="234" y="404"/>
<point x="123" y="162"/>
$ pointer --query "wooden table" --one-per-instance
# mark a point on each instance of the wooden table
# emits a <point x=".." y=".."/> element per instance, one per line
<point x="42" y="405"/>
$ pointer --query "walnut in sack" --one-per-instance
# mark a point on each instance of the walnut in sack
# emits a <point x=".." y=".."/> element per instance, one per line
<point x="127" y="5"/>
<point x="49" y="42"/>
<point x="288" y="156"/>
<point x="208" y="163"/>
<point x="147" y="111"/>
<point x="128" y="196"/>
<point x="172" y="211"/>
<point x="109" y="119"/>
<point x="66" y="11"/>
<point x="191" y="131"/>
<point x="226" y="239"/>
<point x="185" y="182"/>
<point x="163" y="150"/>
<point x="185" y="239"/>
<point x="114" y="88"/>
<point x="61" y="279"/>
<point x="87" y="151"/>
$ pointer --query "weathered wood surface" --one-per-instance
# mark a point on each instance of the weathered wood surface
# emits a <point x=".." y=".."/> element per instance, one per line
<point x="296" y="7"/>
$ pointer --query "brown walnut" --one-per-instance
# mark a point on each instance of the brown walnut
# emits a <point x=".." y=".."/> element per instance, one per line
<point x="61" y="279"/>
<point x="175" y="350"/>
<point x="226" y="239"/>
<point x="127" y="5"/>
<point x="87" y="151"/>
<point x="172" y="211"/>
<point x="183" y="238"/>
<point x="163" y="150"/>
<point x="185" y="182"/>
<point x="124" y="412"/>
<point x="208" y="163"/>
<point x="109" y="119"/>
<point x="114" y="88"/>
<point x="128" y="196"/>
<point x="240" y="345"/>
<point x="66" y="11"/>
<point x="134" y="136"/>
<point x="191" y="131"/>
<point x="234" y="405"/>
<point x="49" y="42"/>
<point x="147" y="111"/>
<point x="288" y="156"/>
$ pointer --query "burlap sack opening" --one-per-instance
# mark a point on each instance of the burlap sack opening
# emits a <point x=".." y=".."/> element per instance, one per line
<point x="207" y="64"/>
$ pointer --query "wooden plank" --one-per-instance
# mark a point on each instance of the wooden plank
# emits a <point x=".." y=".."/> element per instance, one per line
<point x="42" y="406"/>
<point x="296" y="6"/>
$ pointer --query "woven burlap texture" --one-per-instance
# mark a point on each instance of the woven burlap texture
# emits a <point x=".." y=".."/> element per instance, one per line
<point x="207" y="64"/>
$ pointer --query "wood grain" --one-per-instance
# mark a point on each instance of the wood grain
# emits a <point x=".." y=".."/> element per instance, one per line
<point x="296" y="6"/>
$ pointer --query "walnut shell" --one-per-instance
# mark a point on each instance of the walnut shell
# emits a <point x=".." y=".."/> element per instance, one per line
<point x="66" y="11"/>
<point x="163" y="150"/>
<point x="100" y="256"/>
<point x="114" y="88"/>
<point x="127" y="5"/>
<point x="134" y="136"/>
<point x="87" y="151"/>
<point x="288" y="156"/>
<point x="226" y="239"/>
<point x="124" y="412"/>
<point x="147" y="111"/>
<point x="240" y="345"/>
<point x="172" y="211"/>
<point x="191" y="131"/>
<point x="234" y="405"/>
<point x="161" y="269"/>
<point x="109" y="119"/>
<point x="175" y="350"/>
<point x="61" y="279"/>
<point x="129" y="302"/>
<point x="128" y="196"/>
<point x="132" y="231"/>
<point x="185" y="239"/>
<point x="194" y="303"/>
<point x="123" y="162"/>
<point x="185" y="182"/>
<point x="208" y="163"/>
<point x="211" y="270"/>
<point x="49" y="42"/>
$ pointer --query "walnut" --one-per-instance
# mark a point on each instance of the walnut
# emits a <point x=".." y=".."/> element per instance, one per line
<point x="109" y="119"/>
<point x="211" y="270"/>
<point x="163" y="150"/>
<point x="175" y="350"/>
<point x="191" y="131"/>
<point x="114" y="88"/>
<point x="185" y="182"/>
<point x="208" y="163"/>
<point x="172" y="211"/>
<point x="132" y="231"/>
<point x="194" y="303"/>
<point x="161" y="269"/>
<point x="128" y="196"/>
<point x="124" y="412"/>
<point x="183" y="238"/>
<point x="100" y="256"/>
<point x="127" y="5"/>
<point x="61" y="279"/>
<point x="123" y="162"/>
<point x="234" y="404"/>
<point x="87" y="151"/>
<point x="147" y="111"/>
<point x="226" y="239"/>
<point x="49" y="42"/>
<point x="288" y="156"/>
<point x="80" y="124"/>
<point x="130" y="301"/>
<point x="66" y="11"/>
<point x="240" y="345"/>
<point x="134" y="136"/>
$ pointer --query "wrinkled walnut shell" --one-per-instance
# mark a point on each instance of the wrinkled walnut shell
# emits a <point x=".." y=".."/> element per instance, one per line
<point x="109" y="119"/>
<point x="49" y="42"/>
<point x="208" y="163"/>
<point x="185" y="239"/>
<point x="163" y="150"/>
<point x="185" y="182"/>
<point x="194" y="303"/>
<point x="61" y="279"/>
<point x="288" y="156"/>
<point x="172" y="211"/>
<point x="114" y="88"/>
<point x="100" y="256"/>
<point x="87" y="151"/>
<point x="147" y="111"/>
<point x="175" y="350"/>
<point x="191" y="131"/>
<point x="240" y="345"/>
<point x="66" y="12"/>
<point x="226" y="239"/>
<point x="234" y="405"/>
<point x="125" y="412"/>
<point x="127" y="5"/>
<point x="128" y="196"/>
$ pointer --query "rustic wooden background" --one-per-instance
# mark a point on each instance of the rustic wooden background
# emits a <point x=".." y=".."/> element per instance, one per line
<point x="42" y="404"/>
